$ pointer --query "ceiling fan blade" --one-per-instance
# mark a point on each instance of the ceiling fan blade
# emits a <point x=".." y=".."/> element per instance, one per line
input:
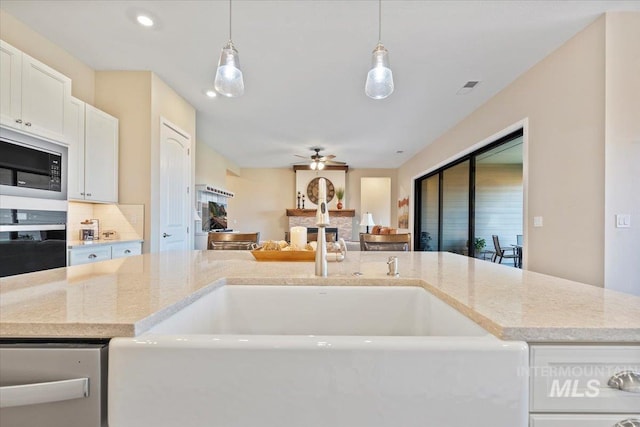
<point x="302" y="157"/>
<point x="335" y="162"/>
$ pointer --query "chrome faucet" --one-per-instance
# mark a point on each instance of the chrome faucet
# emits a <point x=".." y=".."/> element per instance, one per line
<point x="322" y="221"/>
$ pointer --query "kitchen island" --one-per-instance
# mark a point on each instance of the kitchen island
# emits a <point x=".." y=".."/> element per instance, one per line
<point x="151" y="304"/>
<point x="126" y="297"/>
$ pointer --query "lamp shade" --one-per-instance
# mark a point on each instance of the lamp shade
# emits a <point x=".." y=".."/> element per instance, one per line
<point x="367" y="219"/>
<point x="379" y="83"/>
<point x="229" y="81"/>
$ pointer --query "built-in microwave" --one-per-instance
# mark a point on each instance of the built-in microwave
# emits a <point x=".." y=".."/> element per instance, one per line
<point x="32" y="167"/>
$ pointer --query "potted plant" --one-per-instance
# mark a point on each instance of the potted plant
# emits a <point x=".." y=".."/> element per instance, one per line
<point x="479" y="244"/>
<point x="340" y="196"/>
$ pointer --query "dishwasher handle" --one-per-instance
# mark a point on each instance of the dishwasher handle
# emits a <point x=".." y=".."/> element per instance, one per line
<point x="53" y="391"/>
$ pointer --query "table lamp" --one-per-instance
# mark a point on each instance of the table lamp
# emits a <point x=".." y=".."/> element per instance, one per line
<point x="367" y="219"/>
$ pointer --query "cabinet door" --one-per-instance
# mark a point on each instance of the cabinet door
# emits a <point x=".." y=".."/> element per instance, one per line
<point x="45" y="93"/>
<point x="10" y="85"/>
<point x="101" y="156"/>
<point x="74" y="131"/>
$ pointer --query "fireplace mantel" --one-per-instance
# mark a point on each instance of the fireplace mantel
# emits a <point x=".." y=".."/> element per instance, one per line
<point x="342" y="219"/>
<point x="347" y="213"/>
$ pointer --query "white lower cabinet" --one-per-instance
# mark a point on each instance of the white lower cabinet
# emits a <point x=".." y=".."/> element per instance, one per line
<point x="570" y="386"/>
<point x="86" y="255"/>
<point x="582" y="420"/>
<point x="122" y="250"/>
<point x="102" y="252"/>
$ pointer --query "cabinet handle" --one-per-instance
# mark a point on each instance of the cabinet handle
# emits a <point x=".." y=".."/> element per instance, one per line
<point x="54" y="391"/>
<point x="166" y="235"/>
<point x="28" y="124"/>
<point x="89" y="194"/>
<point x="82" y="194"/>
<point x="628" y="381"/>
<point x="92" y="256"/>
<point x="127" y="251"/>
<point x="629" y="422"/>
<point x="19" y="121"/>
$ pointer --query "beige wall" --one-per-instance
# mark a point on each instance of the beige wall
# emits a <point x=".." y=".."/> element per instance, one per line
<point x="168" y="104"/>
<point x="263" y="195"/>
<point x="211" y="167"/>
<point x="139" y="99"/>
<point x="353" y="194"/>
<point x="35" y="45"/>
<point x="622" y="151"/>
<point x="127" y="95"/>
<point x="562" y="97"/>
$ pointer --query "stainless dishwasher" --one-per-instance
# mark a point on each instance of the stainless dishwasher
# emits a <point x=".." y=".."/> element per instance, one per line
<point x="53" y="384"/>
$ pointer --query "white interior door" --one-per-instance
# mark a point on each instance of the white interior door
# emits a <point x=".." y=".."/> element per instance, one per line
<point x="175" y="147"/>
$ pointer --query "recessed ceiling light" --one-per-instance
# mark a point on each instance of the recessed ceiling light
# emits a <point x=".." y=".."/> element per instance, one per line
<point x="144" y="20"/>
<point x="211" y="93"/>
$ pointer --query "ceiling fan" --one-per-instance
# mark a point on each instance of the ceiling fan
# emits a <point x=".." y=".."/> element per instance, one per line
<point x="318" y="161"/>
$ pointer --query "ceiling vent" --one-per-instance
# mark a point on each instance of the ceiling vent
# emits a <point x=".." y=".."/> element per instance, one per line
<point x="468" y="87"/>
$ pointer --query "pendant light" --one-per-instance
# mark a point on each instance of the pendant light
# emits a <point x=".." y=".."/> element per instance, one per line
<point x="229" y="80"/>
<point x="379" y="83"/>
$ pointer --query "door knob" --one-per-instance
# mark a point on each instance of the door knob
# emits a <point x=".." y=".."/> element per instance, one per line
<point x="166" y="235"/>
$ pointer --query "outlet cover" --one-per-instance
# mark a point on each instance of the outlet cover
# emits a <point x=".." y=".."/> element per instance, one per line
<point x="623" y="221"/>
<point x="537" y="221"/>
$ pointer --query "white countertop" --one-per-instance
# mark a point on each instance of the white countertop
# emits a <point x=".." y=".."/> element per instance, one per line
<point x="127" y="296"/>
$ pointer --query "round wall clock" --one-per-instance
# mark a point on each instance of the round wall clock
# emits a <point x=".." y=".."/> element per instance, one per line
<point x="312" y="190"/>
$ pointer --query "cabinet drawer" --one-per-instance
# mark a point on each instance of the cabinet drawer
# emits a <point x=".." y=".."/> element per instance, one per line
<point x="87" y="255"/>
<point x="127" y="249"/>
<point x="579" y="420"/>
<point x="574" y="378"/>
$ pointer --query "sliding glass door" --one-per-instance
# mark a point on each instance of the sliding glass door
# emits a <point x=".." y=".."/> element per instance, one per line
<point x="460" y="206"/>
<point x="430" y="215"/>
<point x="455" y="208"/>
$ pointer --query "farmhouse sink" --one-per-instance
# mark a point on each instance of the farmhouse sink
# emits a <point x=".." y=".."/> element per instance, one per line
<point x="312" y="356"/>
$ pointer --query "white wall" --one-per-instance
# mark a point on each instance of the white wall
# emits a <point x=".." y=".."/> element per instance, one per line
<point x="622" y="151"/>
<point x="375" y="197"/>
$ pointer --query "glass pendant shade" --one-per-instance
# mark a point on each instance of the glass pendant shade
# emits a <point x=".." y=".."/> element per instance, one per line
<point x="229" y="80"/>
<point x="379" y="83"/>
<point x="320" y="166"/>
<point x="313" y="165"/>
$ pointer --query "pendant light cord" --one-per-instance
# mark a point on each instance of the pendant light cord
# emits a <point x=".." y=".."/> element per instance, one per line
<point x="230" y="12"/>
<point x="379" y="21"/>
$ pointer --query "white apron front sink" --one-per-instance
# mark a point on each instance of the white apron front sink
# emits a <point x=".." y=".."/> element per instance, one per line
<point x="317" y="356"/>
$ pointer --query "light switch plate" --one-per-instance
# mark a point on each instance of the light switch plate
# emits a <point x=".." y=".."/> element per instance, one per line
<point x="623" y="221"/>
<point x="537" y="221"/>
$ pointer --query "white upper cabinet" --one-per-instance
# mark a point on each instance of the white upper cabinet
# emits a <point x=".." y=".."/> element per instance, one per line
<point x="34" y="96"/>
<point x="74" y="129"/>
<point x="10" y="85"/>
<point x="93" y="154"/>
<point x="100" y="156"/>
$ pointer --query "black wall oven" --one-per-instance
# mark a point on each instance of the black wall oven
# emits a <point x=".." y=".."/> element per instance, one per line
<point x="31" y="167"/>
<point x="32" y="240"/>
<point x="33" y="204"/>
